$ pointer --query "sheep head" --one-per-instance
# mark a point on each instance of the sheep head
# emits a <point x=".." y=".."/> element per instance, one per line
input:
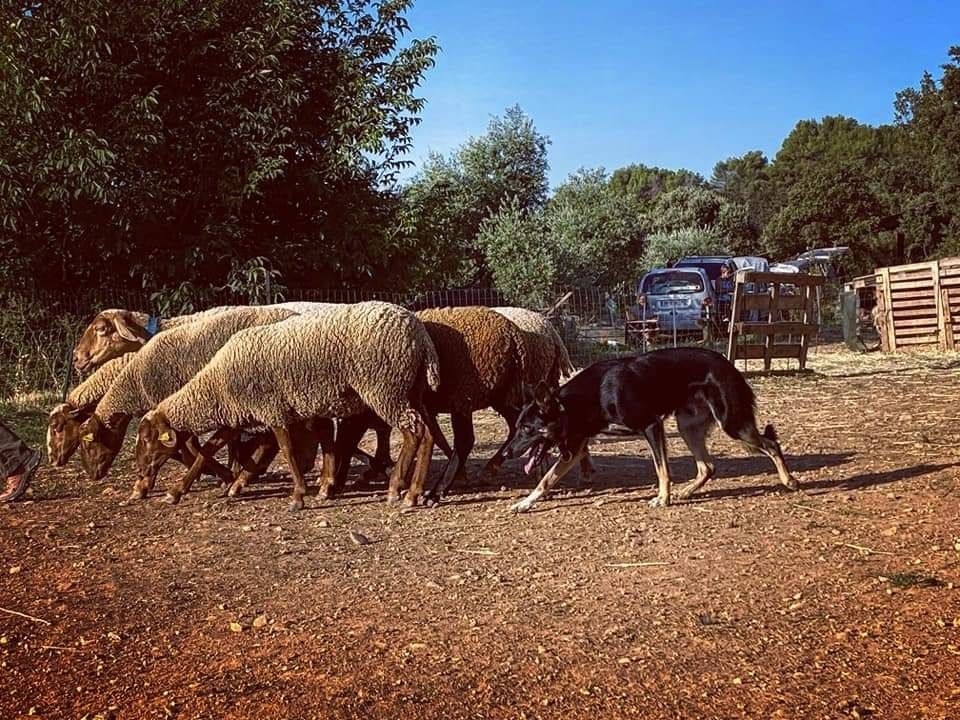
<point x="157" y="441"/>
<point x="100" y="443"/>
<point x="112" y="333"/>
<point x="63" y="432"/>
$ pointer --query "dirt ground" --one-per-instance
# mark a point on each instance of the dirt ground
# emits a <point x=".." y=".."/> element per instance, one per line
<point x="842" y="601"/>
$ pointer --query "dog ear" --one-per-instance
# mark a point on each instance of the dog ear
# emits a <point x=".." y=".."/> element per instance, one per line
<point x="528" y="394"/>
<point x="546" y="399"/>
<point x="543" y="393"/>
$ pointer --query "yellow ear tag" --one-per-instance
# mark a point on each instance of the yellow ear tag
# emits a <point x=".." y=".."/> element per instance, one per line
<point x="164" y="436"/>
<point x="88" y="437"/>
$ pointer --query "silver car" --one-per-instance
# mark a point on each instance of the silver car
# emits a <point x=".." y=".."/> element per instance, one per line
<point x="677" y="297"/>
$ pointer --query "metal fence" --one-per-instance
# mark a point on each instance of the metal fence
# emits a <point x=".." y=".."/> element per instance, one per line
<point x="38" y="331"/>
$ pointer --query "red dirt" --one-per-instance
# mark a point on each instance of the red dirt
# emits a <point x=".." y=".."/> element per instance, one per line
<point x="840" y="602"/>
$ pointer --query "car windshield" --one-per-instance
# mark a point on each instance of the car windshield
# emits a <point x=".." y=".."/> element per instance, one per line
<point x="710" y="267"/>
<point x="670" y="283"/>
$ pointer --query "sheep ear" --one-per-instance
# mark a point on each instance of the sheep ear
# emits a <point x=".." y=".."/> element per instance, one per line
<point x="127" y="328"/>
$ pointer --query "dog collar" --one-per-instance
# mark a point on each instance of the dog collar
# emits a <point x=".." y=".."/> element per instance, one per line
<point x="153" y="325"/>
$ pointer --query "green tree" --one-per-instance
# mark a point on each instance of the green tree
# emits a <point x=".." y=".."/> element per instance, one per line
<point x="700" y="207"/>
<point x="665" y="247"/>
<point x="162" y="140"/>
<point x="596" y="232"/>
<point x="926" y="167"/>
<point x="449" y="198"/>
<point x="645" y="183"/>
<point x="521" y="263"/>
<point x="746" y="181"/>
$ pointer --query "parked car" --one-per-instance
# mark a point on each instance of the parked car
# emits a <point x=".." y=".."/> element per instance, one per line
<point x="677" y="297"/>
<point x="711" y="264"/>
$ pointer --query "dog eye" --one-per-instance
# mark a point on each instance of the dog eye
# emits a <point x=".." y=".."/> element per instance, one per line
<point x="543" y="431"/>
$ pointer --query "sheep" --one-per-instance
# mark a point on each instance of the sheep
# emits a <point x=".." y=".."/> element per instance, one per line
<point x="115" y="332"/>
<point x="339" y="363"/>
<point x="164" y="365"/>
<point x="63" y="423"/>
<point x="547" y="357"/>
<point x="483" y="361"/>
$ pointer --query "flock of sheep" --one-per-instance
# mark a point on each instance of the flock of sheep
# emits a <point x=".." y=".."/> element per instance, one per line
<point x="298" y="377"/>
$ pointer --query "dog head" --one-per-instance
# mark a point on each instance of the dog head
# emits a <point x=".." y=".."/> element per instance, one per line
<point x="541" y="426"/>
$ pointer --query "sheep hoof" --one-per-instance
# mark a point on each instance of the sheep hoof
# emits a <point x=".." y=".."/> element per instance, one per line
<point x="170" y="499"/>
<point x="411" y="500"/>
<point x="393" y="498"/>
<point x="235" y="490"/>
<point x="295" y="505"/>
<point x="138" y="494"/>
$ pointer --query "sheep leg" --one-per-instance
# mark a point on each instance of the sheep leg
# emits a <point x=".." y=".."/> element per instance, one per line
<point x="299" y="485"/>
<point x="323" y="433"/>
<point x="411" y="442"/>
<point x="210" y="466"/>
<point x="420" y="469"/>
<point x="381" y="459"/>
<point x="463" y="442"/>
<point x="220" y="438"/>
<point x="348" y="435"/>
<point x="510" y="415"/>
<point x="257" y="463"/>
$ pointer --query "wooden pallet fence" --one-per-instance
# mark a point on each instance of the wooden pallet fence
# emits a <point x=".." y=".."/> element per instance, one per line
<point x="917" y="306"/>
<point x="773" y="315"/>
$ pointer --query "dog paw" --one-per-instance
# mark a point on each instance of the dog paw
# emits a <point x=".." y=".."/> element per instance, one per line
<point x="521" y="507"/>
<point x="658" y="502"/>
<point x="296" y="505"/>
<point x="170" y="499"/>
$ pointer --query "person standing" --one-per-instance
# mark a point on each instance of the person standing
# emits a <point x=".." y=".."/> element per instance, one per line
<point x="18" y="463"/>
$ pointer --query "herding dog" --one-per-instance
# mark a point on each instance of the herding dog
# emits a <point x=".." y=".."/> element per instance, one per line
<point x="633" y="395"/>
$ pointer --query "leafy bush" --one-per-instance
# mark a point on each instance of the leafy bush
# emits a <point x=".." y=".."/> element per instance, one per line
<point x="665" y="248"/>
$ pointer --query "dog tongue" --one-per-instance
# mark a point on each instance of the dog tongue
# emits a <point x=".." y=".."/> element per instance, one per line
<point x="528" y="468"/>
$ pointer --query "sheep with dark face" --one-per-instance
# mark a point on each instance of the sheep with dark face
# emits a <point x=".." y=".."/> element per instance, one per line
<point x="116" y="332"/>
<point x="64" y="421"/>
<point x="335" y="364"/>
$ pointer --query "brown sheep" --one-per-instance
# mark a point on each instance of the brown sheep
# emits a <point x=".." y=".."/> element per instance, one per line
<point x="483" y="362"/>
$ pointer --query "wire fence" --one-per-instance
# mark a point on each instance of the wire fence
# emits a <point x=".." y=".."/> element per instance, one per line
<point x="39" y="331"/>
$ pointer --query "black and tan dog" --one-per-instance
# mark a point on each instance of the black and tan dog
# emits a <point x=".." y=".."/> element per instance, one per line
<point x="633" y="395"/>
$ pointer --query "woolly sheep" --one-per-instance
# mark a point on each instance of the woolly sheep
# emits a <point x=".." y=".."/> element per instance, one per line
<point x="337" y="363"/>
<point x="115" y="332"/>
<point x="547" y="356"/>
<point x="164" y="365"/>
<point x="483" y="361"/>
<point x="63" y="423"/>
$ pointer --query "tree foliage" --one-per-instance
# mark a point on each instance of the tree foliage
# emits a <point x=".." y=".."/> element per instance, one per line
<point x="449" y="199"/>
<point x="157" y="141"/>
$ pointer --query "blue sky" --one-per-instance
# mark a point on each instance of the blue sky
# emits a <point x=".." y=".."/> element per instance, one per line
<point x="674" y="84"/>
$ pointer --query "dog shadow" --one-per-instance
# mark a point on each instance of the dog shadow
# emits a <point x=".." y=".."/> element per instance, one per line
<point x="624" y="475"/>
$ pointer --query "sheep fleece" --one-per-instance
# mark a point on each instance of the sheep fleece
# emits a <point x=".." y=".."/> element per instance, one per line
<point x="547" y="356"/>
<point x="335" y="363"/>
<point x="170" y="359"/>
<point x="482" y="358"/>
<point x="89" y="392"/>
